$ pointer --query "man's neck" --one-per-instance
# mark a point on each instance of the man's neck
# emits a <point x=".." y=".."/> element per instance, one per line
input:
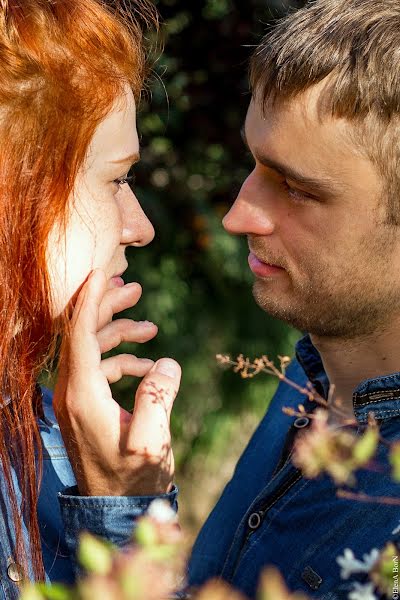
<point x="349" y="362"/>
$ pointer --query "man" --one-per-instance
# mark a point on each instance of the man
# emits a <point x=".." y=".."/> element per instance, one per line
<point x="321" y="211"/>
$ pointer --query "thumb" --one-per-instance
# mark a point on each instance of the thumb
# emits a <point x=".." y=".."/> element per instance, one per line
<point x="153" y="404"/>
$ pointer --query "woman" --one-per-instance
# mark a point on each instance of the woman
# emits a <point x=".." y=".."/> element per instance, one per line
<point x="70" y="78"/>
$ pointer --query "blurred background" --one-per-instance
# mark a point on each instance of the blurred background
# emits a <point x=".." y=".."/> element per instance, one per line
<point x="196" y="282"/>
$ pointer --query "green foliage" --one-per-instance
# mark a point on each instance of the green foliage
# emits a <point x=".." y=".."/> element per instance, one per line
<point x="383" y="571"/>
<point x="196" y="282"/>
<point x="197" y="286"/>
<point x="366" y="446"/>
<point x="42" y="591"/>
<point x="395" y="461"/>
<point x="95" y="555"/>
<point x="145" y="534"/>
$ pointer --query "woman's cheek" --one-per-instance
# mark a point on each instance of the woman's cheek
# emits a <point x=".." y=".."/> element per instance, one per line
<point x="91" y="240"/>
<point x="70" y="260"/>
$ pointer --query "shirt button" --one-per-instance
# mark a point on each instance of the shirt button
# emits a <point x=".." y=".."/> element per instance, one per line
<point x="301" y="422"/>
<point x="14" y="572"/>
<point x="254" y="520"/>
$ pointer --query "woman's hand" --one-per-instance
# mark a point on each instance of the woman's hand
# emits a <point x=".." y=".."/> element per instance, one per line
<point x="114" y="452"/>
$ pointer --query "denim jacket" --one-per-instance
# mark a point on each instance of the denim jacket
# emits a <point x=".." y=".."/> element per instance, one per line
<point x="269" y="514"/>
<point x="63" y="514"/>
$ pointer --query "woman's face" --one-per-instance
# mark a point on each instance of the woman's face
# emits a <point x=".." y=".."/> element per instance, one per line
<point x="105" y="216"/>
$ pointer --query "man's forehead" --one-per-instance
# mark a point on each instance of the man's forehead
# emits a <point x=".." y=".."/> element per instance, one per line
<point x="293" y="140"/>
<point x="312" y="103"/>
<point x="299" y="125"/>
<point x="304" y="109"/>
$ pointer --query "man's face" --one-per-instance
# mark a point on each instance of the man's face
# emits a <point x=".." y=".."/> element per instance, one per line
<point x="323" y="257"/>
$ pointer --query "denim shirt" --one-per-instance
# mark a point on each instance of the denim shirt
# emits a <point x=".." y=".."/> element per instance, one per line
<point x="63" y="514"/>
<point x="269" y="514"/>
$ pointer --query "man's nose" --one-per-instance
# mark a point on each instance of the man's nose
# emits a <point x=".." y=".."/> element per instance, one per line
<point x="249" y="213"/>
<point x="136" y="227"/>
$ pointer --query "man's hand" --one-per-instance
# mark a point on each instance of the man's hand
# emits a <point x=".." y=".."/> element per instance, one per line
<point x="114" y="452"/>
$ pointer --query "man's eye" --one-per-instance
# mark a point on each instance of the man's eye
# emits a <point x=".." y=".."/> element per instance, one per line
<point x="129" y="178"/>
<point x="297" y="195"/>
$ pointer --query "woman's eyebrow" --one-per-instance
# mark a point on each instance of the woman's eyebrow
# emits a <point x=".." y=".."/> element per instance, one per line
<point x="131" y="158"/>
<point x="325" y="185"/>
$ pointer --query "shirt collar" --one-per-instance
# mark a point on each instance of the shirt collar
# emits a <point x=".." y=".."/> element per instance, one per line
<point x="380" y="395"/>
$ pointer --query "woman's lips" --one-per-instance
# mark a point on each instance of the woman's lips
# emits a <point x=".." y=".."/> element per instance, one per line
<point x="117" y="281"/>
<point x="262" y="269"/>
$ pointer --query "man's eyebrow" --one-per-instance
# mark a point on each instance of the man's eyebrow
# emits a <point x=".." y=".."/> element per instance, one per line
<point x="132" y="158"/>
<point x="322" y="184"/>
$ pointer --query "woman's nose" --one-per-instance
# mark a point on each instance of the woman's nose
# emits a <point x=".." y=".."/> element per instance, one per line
<point x="137" y="230"/>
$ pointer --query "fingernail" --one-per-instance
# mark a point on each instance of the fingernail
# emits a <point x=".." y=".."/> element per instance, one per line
<point x="147" y="361"/>
<point x="146" y="323"/>
<point x="168" y="367"/>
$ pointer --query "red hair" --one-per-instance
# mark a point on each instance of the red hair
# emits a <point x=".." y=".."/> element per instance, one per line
<point x="62" y="66"/>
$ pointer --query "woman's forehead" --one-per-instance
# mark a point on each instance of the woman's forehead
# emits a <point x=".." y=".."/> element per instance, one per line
<point x="115" y="139"/>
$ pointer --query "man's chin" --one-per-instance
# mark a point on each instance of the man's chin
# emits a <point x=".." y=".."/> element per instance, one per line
<point x="274" y="304"/>
<point x="323" y="324"/>
<point x="269" y="302"/>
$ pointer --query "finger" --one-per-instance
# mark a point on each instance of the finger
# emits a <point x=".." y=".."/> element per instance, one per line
<point x="91" y="401"/>
<point x="125" y="330"/>
<point x="79" y="303"/>
<point x="149" y="430"/>
<point x="116" y="367"/>
<point x="84" y="348"/>
<point x="118" y="299"/>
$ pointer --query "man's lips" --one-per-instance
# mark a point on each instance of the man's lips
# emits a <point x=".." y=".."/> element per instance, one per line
<point x="263" y="269"/>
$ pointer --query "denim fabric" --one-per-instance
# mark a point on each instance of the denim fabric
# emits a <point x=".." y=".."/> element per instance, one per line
<point x="63" y="514"/>
<point x="269" y="514"/>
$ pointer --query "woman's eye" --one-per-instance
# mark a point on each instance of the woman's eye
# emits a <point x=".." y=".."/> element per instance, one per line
<point x="129" y="178"/>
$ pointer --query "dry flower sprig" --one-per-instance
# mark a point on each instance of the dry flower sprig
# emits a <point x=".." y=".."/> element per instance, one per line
<point x="361" y="497"/>
<point x="249" y="369"/>
<point x="321" y="449"/>
<point x="338" y="453"/>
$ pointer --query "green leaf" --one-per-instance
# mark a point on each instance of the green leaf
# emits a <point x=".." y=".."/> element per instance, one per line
<point x="365" y="447"/>
<point x="95" y="555"/>
<point x="32" y="592"/>
<point x="42" y="591"/>
<point x="162" y="553"/>
<point x="395" y="461"/>
<point x="145" y="533"/>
